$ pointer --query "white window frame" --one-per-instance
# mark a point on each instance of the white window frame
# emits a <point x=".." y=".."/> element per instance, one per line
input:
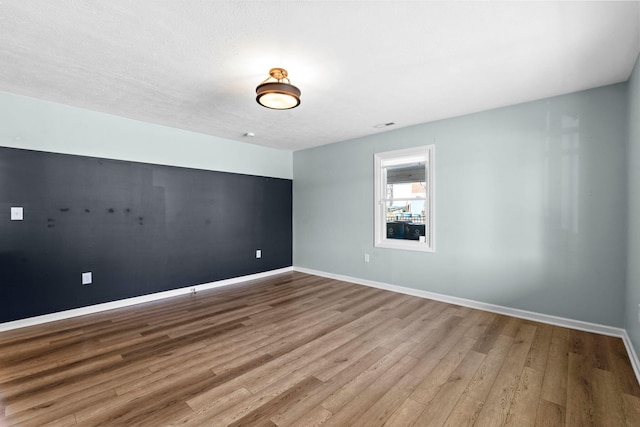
<point x="424" y="153"/>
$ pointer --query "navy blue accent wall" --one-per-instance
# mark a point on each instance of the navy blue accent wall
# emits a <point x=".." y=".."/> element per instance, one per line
<point x="139" y="228"/>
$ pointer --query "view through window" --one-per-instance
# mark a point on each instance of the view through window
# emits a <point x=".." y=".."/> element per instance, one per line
<point x="404" y="189"/>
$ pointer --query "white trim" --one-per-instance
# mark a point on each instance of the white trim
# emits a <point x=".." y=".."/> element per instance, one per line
<point x="499" y="309"/>
<point x="508" y="311"/>
<point x="633" y="356"/>
<point x="424" y="153"/>
<point x="538" y="317"/>
<point x="30" y="321"/>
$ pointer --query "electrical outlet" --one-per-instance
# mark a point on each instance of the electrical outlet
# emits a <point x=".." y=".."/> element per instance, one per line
<point x="366" y="257"/>
<point x="193" y="291"/>
<point x="258" y="253"/>
<point x="87" y="278"/>
<point x="17" y="213"/>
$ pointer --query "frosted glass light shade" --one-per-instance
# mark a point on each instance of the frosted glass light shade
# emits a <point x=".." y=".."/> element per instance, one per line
<point x="278" y="94"/>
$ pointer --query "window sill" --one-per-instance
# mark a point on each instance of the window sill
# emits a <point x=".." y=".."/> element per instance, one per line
<point x="406" y="245"/>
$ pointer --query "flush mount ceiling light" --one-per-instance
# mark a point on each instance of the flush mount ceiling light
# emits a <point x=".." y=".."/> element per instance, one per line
<point x="277" y="92"/>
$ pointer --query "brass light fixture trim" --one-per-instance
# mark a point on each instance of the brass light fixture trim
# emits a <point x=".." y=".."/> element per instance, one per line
<point x="277" y="92"/>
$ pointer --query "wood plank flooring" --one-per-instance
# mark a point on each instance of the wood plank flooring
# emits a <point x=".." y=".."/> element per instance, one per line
<point x="301" y="350"/>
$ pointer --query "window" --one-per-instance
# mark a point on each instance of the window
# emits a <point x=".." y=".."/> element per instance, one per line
<point x="404" y="199"/>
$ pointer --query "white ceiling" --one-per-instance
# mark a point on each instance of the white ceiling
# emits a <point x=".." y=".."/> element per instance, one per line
<point x="194" y="64"/>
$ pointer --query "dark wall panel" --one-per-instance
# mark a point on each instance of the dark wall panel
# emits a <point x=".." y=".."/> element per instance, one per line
<point x="139" y="228"/>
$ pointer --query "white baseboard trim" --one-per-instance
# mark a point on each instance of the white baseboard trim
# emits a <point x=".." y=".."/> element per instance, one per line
<point x="45" y="318"/>
<point x="633" y="356"/>
<point x="508" y="311"/>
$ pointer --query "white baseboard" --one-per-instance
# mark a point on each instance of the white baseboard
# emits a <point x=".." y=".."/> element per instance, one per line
<point x="523" y="314"/>
<point x="633" y="356"/>
<point x="508" y="311"/>
<point x="21" y="323"/>
<point x="514" y="312"/>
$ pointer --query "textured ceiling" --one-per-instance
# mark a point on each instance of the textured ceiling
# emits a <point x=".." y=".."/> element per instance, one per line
<point x="194" y="64"/>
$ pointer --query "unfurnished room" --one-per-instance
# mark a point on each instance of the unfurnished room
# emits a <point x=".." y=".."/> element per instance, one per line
<point x="305" y="213"/>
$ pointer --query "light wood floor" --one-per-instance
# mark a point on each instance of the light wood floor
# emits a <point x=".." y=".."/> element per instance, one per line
<point x="302" y="350"/>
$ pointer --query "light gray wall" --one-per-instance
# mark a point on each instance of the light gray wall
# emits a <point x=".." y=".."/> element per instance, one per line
<point x="632" y="323"/>
<point x="530" y="207"/>
<point x="44" y="126"/>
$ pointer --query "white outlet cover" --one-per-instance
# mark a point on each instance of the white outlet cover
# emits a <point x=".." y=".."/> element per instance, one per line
<point x="258" y="253"/>
<point x="17" y="213"/>
<point x="87" y="278"/>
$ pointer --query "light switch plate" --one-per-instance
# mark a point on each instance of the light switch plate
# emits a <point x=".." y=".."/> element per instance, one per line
<point x="258" y="253"/>
<point x="17" y="213"/>
<point x="87" y="278"/>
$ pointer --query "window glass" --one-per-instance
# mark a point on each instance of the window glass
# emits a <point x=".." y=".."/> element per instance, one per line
<point x="404" y="202"/>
